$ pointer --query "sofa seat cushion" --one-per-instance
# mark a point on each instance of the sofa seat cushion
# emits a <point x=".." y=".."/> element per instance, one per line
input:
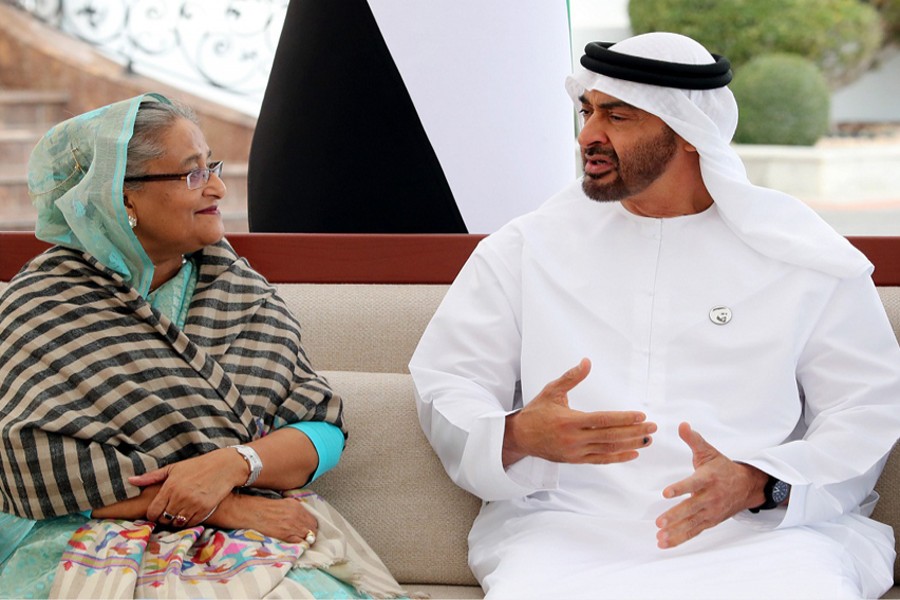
<point x="890" y="297"/>
<point x="447" y="592"/>
<point x="391" y="486"/>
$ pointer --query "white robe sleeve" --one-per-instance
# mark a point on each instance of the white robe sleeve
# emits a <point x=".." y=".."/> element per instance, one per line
<point x="849" y="375"/>
<point x="466" y="371"/>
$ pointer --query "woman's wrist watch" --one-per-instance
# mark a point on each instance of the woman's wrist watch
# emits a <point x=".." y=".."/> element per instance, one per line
<point x="776" y="492"/>
<point x="253" y="460"/>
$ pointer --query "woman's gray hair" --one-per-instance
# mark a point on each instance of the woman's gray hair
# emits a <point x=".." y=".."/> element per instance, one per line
<point x="153" y="119"/>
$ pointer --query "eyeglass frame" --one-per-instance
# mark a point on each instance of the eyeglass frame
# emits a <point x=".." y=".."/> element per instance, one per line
<point x="214" y="167"/>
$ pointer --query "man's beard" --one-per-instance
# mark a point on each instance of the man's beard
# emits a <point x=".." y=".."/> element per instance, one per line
<point x="646" y="162"/>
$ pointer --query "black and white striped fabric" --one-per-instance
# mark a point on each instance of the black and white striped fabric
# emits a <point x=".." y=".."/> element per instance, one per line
<point x="96" y="386"/>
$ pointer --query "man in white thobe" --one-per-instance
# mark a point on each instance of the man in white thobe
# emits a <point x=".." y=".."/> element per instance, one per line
<point x="665" y="382"/>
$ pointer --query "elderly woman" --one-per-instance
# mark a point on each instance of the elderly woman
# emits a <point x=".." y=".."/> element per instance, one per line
<point x="155" y="399"/>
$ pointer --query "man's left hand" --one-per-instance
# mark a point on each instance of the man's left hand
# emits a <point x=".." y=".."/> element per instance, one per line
<point x="719" y="489"/>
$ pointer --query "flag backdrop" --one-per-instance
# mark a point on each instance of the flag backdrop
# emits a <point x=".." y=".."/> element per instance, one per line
<point x="402" y="116"/>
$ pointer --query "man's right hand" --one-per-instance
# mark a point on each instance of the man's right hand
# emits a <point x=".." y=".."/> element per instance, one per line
<point x="547" y="428"/>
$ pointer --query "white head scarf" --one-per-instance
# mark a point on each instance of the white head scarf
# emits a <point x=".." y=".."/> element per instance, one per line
<point x="771" y="222"/>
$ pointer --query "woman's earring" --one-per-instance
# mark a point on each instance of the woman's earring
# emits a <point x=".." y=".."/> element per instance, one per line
<point x="132" y="221"/>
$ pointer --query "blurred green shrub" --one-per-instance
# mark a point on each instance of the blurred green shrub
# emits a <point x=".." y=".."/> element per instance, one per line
<point x="783" y="99"/>
<point x="840" y="36"/>
<point x="890" y="13"/>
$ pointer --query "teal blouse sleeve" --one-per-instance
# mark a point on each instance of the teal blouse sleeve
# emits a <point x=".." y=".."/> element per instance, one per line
<point x="327" y="439"/>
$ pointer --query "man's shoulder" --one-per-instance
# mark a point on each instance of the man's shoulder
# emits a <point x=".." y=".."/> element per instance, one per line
<point x="559" y="204"/>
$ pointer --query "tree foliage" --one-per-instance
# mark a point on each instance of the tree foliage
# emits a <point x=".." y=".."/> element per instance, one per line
<point x="841" y="37"/>
<point x="783" y="99"/>
<point x="890" y="13"/>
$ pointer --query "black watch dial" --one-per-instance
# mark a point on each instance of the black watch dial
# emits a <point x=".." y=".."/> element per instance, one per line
<point x="780" y="492"/>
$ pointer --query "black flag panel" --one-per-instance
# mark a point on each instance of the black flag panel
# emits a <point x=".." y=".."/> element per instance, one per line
<point x="339" y="147"/>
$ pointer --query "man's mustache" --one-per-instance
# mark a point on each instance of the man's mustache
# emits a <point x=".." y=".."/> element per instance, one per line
<point x="593" y="151"/>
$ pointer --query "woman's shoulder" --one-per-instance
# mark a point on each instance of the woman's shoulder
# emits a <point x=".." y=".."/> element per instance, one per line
<point x="55" y="276"/>
<point x="220" y="263"/>
<point x="230" y="291"/>
<point x="227" y="278"/>
<point x="56" y="263"/>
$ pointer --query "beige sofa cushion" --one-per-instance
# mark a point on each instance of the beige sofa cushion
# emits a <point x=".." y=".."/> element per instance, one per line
<point x="890" y="296"/>
<point x="888" y="508"/>
<point x="391" y="486"/>
<point x="352" y="327"/>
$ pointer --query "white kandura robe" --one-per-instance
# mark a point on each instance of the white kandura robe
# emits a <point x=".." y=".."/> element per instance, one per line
<point x="806" y="356"/>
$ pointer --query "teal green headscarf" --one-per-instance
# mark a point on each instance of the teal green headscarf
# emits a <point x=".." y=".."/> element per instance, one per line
<point x="75" y="178"/>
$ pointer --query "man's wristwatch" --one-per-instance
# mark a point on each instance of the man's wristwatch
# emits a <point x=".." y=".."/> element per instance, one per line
<point x="776" y="492"/>
<point x="253" y="460"/>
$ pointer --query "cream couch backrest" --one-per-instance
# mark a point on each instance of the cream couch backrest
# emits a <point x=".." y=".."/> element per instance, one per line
<point x="362" y="327"/>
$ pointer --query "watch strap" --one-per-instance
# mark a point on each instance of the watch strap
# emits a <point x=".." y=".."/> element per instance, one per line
<point x="768" y="491"/>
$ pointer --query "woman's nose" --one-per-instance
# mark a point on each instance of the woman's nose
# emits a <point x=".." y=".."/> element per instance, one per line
<point x="216" y="186"/>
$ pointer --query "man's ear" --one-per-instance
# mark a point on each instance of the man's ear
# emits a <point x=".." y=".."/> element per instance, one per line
<point x="687" y="147"/>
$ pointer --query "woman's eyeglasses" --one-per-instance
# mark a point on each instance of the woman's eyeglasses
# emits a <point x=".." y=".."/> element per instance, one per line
<point x="196" y="178"/>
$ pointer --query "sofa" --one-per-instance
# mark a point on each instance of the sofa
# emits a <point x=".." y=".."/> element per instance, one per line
<point x="363" y="302"/>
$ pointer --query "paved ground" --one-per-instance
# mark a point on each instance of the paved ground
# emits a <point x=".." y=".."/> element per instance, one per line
<point x="876" y="216"/>
<point x="864" y="222"/>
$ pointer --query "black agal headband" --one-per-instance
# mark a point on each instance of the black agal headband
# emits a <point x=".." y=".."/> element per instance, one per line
<point x="600" y="59"/>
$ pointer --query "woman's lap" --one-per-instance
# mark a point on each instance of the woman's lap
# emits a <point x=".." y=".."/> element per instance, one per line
<point x="29" y="572"/>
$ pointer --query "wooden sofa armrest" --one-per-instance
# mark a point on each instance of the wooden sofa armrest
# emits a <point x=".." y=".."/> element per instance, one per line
<point x="313" y="257"/>
<point x="884" y="252"/>
<point x="356" y="258"/>
<point x="380" y="258"/>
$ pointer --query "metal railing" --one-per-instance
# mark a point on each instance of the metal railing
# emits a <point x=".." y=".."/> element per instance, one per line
<point x="226" y="46"/>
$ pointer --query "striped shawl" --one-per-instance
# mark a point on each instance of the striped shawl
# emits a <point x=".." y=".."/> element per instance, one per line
<point x="96" y="386"/>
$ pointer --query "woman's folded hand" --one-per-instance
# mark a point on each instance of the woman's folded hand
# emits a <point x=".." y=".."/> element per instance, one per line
<point x="282" y="518"/>
<point x="192" y="489"/>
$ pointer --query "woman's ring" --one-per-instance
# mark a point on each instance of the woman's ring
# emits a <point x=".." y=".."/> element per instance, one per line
<point x="180" y="520"/>
<point x="310" y="538"/>
<point x="167" y="516"/>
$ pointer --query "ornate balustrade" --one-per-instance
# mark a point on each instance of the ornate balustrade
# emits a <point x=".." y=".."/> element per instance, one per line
<point x="225" y="46"/>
